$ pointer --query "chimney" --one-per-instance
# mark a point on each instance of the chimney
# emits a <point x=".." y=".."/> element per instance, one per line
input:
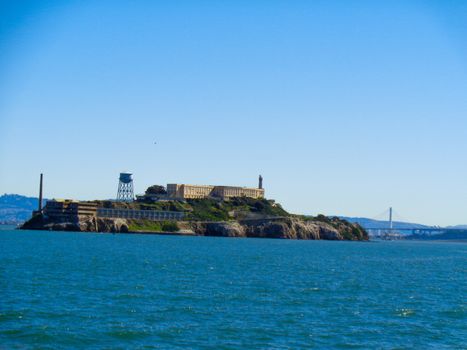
<point x="260" y="184"/>
<point x="40" y="195"/>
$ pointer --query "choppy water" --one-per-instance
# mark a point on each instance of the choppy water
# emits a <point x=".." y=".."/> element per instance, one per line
<point x="75" y="290"/>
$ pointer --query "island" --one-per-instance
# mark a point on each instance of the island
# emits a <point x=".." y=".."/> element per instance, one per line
<point x="237" y="217"/>
<point x="181" y="209"/>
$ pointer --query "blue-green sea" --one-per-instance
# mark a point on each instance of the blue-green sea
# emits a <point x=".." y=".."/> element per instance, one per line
<point x="101" y="291"/>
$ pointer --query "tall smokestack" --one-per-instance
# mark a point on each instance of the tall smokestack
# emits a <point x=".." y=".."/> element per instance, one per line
<point x="260" y="184"/>
<point x="40" y="194"/>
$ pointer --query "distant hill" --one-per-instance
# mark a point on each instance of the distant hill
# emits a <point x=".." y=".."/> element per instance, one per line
<point x="458" y="227"/>
<point x="15" y="209"/>
<point x="378" y="224"/>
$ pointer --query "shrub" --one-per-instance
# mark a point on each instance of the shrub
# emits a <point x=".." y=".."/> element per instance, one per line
<point x="170" y="226"/>
<point x="156" y="189"/>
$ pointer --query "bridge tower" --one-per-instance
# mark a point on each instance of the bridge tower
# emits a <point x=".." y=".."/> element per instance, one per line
<point x="390" y="219"/>
<point x="125" y="188"/>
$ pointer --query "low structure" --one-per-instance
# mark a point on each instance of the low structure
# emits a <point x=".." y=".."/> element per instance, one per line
<point x="71" y="210"/>
<point x="184" y="191"/>
<point x="60" y="208"/>
<point x="154" y="215"/>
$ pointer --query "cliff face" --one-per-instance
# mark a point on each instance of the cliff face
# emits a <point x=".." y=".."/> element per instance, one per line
<point x="81" y="224"/>
<point x="285" y="228"/>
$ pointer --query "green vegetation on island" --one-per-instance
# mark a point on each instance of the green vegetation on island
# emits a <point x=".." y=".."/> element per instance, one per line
<point x="238" y="217"/>
<point x="152" y="226"/>
<point x="347" y="230"/>
<point x="208" y="209"/>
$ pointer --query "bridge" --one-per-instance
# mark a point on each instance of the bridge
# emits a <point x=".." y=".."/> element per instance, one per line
<point x="390" y="230"/>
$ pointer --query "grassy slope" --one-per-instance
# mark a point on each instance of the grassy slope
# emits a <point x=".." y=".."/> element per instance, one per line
<point x="208" y="209"/>
<point x="152" y="226"/>
<point x="216" y="210"/>
<point x="212" y="210"/>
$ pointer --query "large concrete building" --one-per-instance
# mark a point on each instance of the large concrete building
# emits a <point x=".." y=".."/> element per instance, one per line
<point x="188" y="191"/>
<point x="69" y="208"/>
<point x="185" y="191"/>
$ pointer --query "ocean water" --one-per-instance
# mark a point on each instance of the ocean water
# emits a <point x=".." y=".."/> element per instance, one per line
<point x="100" y="291"/>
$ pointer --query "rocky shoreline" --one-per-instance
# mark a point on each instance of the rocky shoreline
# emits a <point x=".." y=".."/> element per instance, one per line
<point x="280" y="227"/>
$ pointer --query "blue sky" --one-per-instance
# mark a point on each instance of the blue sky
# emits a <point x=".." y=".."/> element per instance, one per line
<point x="344" y="107"/>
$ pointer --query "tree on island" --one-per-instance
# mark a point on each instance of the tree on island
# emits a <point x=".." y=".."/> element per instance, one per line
<point x="155" y="189"/>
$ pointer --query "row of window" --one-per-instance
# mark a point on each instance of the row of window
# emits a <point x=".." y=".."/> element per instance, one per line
<point x="139" y="214"/>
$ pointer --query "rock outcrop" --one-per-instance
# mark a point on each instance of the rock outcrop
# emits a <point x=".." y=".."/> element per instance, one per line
<point x="79" y="224"/>
<point x="279" y="227"/>
<point x="286" y="228"/>
<point x="220" y="229"/>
